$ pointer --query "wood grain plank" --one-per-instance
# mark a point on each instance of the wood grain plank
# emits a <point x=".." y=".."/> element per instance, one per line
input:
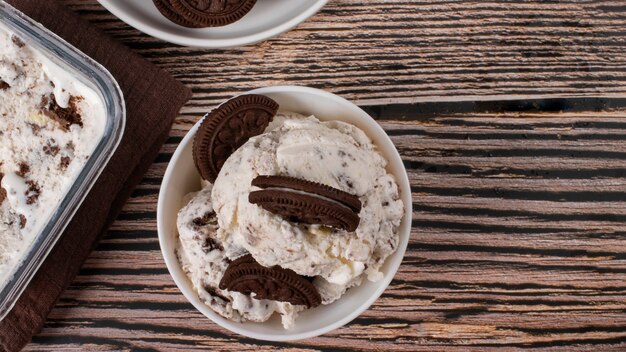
<point x="496" y="260"/>
<point x="518" y="236"/>
<point x="406" y="51"/>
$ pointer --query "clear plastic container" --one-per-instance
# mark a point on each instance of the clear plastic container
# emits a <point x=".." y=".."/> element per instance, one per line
<point x="96" y="77"/>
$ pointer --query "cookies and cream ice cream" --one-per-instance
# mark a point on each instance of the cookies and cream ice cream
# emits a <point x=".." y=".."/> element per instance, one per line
<point x="49" y="125"/>
<point x="331" y="153"/>
<point x="203" y="258"/>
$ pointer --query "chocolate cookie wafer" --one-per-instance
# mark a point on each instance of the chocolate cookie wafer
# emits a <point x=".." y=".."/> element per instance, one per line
<point x="247" y="276"/>
<point x="213" y="13"/>
<point x="228" y="127"/>
<point x="307" y="202"/>
<point x="166" y="9"/>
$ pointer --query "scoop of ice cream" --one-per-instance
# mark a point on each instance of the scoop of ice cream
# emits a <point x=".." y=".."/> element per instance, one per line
<point x="332" y="153"/>
<point x="203" y="259"/>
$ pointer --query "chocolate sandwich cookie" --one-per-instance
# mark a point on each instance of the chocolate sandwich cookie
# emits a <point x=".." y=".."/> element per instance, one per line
<point x="247" y="276"/>
<point x="307" y="202"/>
<point x="166" y="9"/>
<point x="298" y="184"/>
<point x="228" y="127"/>
<point x="213" y="13"/>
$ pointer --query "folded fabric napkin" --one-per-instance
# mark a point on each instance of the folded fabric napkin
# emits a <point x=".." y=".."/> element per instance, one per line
<point x="153" y="99"/>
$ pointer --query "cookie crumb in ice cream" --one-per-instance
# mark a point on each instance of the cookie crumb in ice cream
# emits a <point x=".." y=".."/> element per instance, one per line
<point x="65" y="162"/>
<point x="64" y="116"/>
<point x="51" y="149"/>
<point x="211" y="245"/>
<point x="24" y="169"/>
<point x="32" y="193"/>
<point x="3" y="193"/>
<point x="4" y="85"/>
<point x="206" y="219"/>
<point x="215" y="294"/>
<point x="17" y="41"/>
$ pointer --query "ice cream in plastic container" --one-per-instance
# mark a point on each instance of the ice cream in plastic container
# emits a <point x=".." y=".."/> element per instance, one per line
<point x="63" y="116"/>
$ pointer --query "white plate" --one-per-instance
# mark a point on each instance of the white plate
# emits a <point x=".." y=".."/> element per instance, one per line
<point x="267" y="18"/>
<point x="181" y="177"/>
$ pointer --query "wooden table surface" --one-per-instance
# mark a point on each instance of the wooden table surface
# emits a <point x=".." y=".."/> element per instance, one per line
<point x="519" y="213"/>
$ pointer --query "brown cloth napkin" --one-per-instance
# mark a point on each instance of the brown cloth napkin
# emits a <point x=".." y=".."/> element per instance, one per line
<point x="153" y="99"/>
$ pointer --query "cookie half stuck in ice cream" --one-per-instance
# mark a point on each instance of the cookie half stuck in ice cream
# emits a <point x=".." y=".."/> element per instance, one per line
<point x="247" y="276"/>
<point x="228" y="127"/>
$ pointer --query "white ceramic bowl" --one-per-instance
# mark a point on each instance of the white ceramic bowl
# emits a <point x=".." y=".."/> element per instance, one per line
<point x="267" y="19"/>
<point x="181" y="178"/>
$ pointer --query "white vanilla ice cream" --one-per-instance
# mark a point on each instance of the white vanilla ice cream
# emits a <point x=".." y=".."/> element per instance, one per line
<point x="50" y="124"/>
<point x="332" y="153"/>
